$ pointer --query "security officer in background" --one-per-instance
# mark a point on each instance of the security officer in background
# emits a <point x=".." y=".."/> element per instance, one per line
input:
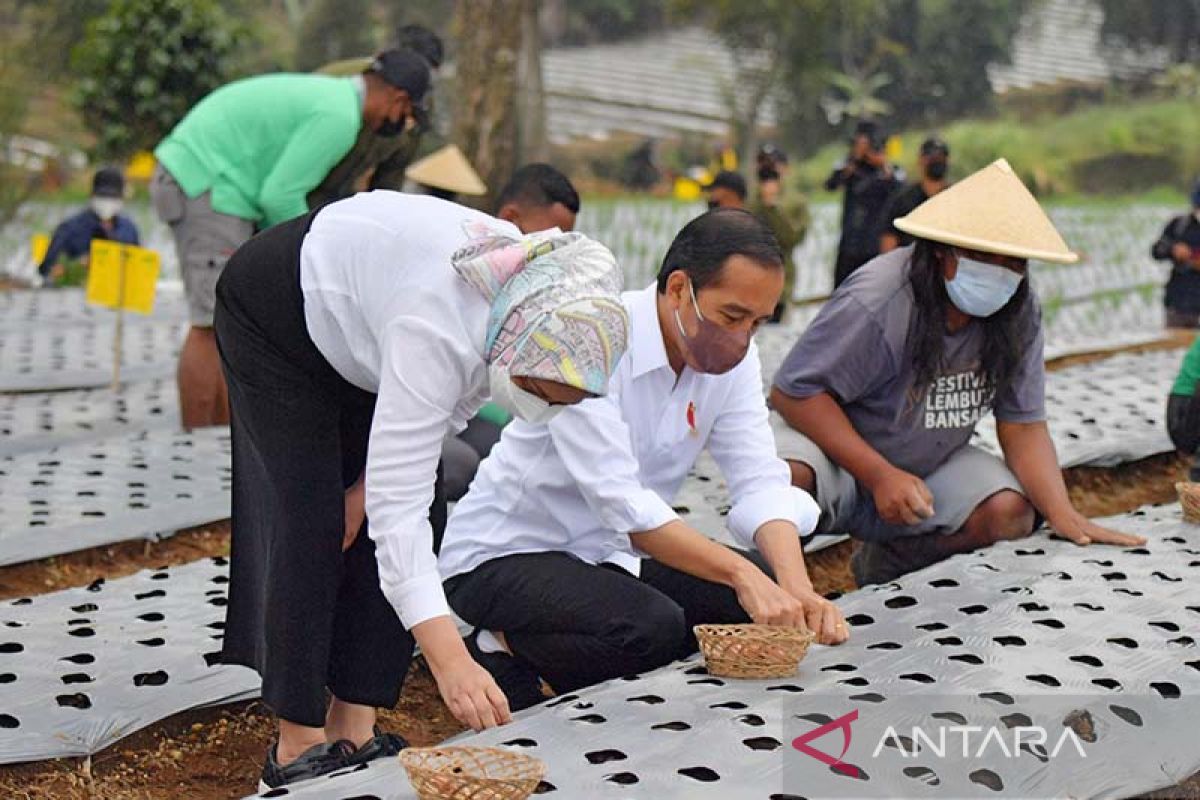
<point x="869" y="181"/>
<point x="1180" y="244"/>
<point x="385" y="158"/>
<point x="787" y="216"/>
<point x="934" y="164"/>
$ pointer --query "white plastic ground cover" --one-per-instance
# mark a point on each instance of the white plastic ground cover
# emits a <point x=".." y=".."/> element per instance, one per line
<point x="53" y="308"/>
<point x="1021" y="634"/>
<point x="40" y="420"/>
<point x="46" y="357"/>
<point x="122" y="487"/>
<point x="1106" y="412"/>
<point x="82" y="668"/>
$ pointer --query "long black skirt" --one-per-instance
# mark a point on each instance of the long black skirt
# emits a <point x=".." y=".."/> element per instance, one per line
<point x="307" y="616"/>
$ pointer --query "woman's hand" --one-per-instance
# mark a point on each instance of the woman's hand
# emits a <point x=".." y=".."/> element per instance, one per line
<point x="467" y="688"/>
<point x="356" y="512"/>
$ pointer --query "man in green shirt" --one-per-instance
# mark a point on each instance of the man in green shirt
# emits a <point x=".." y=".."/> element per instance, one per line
<point x="385" y="159"/>
<point x="1183" y="409"/>
<point x="246" y="157"/>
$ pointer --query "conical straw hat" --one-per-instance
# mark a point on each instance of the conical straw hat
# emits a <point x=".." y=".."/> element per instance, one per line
<point x="990" y="211"/>
<point x="447" y="169"/>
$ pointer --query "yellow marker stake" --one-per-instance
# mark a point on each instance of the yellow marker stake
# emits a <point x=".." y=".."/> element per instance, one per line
<point x="121" y="277"/>
<point x="39" y="243"/>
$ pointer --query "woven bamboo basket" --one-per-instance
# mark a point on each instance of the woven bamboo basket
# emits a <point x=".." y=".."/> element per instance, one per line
<point x="1189" y="499"/>
<point x="471" y="773"/>
<point x="753" y="651"/>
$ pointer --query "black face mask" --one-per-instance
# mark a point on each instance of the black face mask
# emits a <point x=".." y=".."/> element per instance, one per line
<point x="936" y="170"/>
<point x="388" y="128"/>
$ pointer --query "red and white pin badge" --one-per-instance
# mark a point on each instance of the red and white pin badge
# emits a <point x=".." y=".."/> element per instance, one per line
<point x="691" y="418"/>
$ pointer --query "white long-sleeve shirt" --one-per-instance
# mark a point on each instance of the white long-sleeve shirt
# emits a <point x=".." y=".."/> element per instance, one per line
<point x="385" y="308"/>
<point x="612" y="465"/>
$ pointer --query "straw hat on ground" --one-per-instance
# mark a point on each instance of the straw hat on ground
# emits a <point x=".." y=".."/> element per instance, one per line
<point x="990" y="211"/>
<point x="447" y="169"/>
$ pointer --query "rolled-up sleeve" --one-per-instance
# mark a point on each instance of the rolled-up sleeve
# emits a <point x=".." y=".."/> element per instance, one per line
<point x="422" y="380"/>
<point x="743" y="446"/>
<point x="593" y="442"/>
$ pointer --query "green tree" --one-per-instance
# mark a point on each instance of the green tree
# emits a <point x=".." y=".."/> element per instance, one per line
<point x="144" y="64"/>
<point x="1171" y="24"/>
<point x="17" y="184"/>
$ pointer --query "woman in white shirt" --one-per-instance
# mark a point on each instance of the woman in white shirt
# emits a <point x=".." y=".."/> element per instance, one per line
<point x="566" y="553"/>
<point x="358" y="336"/>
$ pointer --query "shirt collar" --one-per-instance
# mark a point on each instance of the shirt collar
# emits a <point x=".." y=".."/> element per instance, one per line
<point x="647" y="351"/>
<point x="360" y="90"/>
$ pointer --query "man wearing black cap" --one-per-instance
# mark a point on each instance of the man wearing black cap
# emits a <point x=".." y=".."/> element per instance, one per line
<point x="726" y="190"/>
<point x="1180" y="244"/>
<point x="385" y="158"/>
<point x="245" y="157"/>
<point x="869" y="180"/>
<point x="102" y="219"/>
<point x="934" y="163"/>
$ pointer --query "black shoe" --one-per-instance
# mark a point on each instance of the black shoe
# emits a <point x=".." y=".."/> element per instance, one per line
<point x="315" y="762"/>
<point x="519" y="683"/>
<point x="381" y="745"/>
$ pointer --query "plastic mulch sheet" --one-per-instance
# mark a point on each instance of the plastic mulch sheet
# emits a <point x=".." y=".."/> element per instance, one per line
<point x="108" y="490"/>
<point x="82" y="668"/>
<point x="1092" y="647"/>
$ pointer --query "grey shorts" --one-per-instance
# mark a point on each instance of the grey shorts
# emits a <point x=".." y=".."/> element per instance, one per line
<point x="959" y="485"/>
<point x="204" y="241"/>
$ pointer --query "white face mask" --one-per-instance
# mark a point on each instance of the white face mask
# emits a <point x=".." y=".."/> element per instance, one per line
<point x="517" y="401"/>
<point x="981" y="289"/>
<point x="107" y="207"/>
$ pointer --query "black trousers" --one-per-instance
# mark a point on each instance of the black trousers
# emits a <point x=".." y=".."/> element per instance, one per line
<point x="577" y="624"/>
<point x="301" y="612"/>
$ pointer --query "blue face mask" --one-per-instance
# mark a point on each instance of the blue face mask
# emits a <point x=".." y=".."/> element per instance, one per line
<point x="981" y="289"/>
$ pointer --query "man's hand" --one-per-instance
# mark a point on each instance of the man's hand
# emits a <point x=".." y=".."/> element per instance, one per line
<point x="1181" y="252"/>
<point x="764" y="601"/>
<point x="1081" y="530"/>
<point x="902" y="498"/>
<point x="820" y="615"/>
<point x="468" y="689"/>
<point x="356" y="512"/>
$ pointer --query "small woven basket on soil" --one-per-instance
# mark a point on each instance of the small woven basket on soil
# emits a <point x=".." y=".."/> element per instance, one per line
<point x="752" y="651"/>
<point x="1189" y="498"/>
<point x="471" y="773"/>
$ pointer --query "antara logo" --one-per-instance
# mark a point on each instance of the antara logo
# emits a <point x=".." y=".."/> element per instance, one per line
<point x="976" y="741"/>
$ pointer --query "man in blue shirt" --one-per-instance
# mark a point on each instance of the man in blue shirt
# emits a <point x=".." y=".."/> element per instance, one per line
<point x="102" y="219"/>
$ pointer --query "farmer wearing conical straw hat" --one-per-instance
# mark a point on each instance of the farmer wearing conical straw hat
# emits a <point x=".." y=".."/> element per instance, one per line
<point x="881" y="395"/>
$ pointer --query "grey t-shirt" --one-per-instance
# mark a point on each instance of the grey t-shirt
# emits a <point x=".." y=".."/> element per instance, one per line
<point x="857" y="350"/>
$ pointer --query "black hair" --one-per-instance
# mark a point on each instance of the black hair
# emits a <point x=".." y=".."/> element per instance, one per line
<point x="1006" y="333"/>
<point x="706" y="243"/>
<point x="539" y="185"/>
<point x="425" y="42"/>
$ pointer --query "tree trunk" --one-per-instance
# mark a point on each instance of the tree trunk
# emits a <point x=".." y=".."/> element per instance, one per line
<point x="485" y="117"/>
<point x="531" y="100"/>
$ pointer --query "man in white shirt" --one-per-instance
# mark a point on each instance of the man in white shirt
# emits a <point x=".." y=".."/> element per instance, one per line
<point x="566" y="554"/>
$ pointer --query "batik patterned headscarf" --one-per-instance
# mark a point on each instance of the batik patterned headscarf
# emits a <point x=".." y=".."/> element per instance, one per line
<point x="556" y="306"/>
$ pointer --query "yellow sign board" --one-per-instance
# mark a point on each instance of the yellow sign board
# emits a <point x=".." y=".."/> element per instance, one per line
<point x="38" y="246"/>
<point x="122" y="276"/>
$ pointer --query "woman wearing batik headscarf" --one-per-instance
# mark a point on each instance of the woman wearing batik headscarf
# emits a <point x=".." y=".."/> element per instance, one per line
<point x="354" y="339"/>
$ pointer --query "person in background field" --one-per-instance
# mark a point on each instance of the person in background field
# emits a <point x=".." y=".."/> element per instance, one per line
<point x="787" y="218"/>
<point x="934" y="163"/>
<point x="381" y="161"/>
<point x="566" y="554"/>
<point x="244" y="157"/>
<point x="882" y="393"/>
<point x="727" y="189"/>
<point x="102" y="219"/>
<point x="1180" y="244"/>
<point x="1183" y="410"/>
<point x="536" y="198"/>
<point x="354" y="339"/>
<point x="868" y="180"/>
